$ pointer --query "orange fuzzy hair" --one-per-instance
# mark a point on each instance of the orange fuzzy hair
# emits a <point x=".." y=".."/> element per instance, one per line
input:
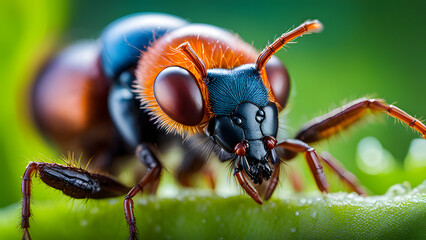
<point x="217" y="48"/>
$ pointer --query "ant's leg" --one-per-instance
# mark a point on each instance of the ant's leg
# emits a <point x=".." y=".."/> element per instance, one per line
<point x="74" y="182"/>
<point x="311" y="157"/>
<point x="344" y="174"/>
<point x="275" y="178"/>
<point x="148" y="158"/>
<point x="192" y="164"/>
<point x="249" y="189"/>
<point x="296" y="180"/>
<point x="195" y="157"/>
<point x="341" y="118"/>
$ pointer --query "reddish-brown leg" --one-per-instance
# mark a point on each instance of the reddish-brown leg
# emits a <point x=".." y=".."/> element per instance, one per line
<point x="148" y="158"/>
<point x="192" y="165"/>
<point x="273" y="181"/>
<point x="296" y="180"/>
<point x="381" y="106"/>
<point x="74" y="182"/>
<point x="342" y="118"/>
<point x="210" y="178"/>
<point x="250" y="190"/>
<point x="26" y="195"/>
<point x="344" y="174"/>
<point x="312" y="159"/>
<point x="153" y="189"/>
<point x="331" y="123"/>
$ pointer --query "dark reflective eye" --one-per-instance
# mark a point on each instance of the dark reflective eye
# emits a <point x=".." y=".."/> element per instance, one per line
<point x="260" y="115"/>
<point x="237" y="120"/>
<point x="278" y="79"/>
<point x="178" y="95"/>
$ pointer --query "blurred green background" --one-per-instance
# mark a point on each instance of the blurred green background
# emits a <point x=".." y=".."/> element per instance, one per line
<point x="367" y="48"/>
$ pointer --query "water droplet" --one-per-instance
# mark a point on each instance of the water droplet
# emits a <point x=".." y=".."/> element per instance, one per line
<point x="296" y="213"/>
<point x="293" y="229"/>
<point x="255" y="210"/>
<point x="314" y="214"/>
<point x="94" y="210"/>
<point x="157" y="228"/>
<point x="218" y="219"/>
<point x="372" y="158"/>
<point x="416" y="157"/>
<point x="201" y="208"/>
<point x="418" y="148"/>
<point x="83" y="222"/>
<point x="398" y="189"/>
<point x="204" y="220"/>
<point x="143" y="201"/>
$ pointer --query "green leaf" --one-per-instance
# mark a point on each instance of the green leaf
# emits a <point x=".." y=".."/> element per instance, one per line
<point x="399" y="214"/>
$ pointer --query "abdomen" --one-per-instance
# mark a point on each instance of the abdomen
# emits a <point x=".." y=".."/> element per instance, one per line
<point x="69" y="101"/>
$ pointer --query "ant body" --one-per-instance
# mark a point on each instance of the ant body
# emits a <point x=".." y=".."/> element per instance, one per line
<point x="154" y="75"/>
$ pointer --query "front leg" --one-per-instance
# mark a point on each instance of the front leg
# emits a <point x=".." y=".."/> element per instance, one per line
<point x="350" y="179"/>
<point x="312" y="159"/>
<point x="329" y="124"/>
<point x="136" y="129"/>
<point x="148" y="158"/>
<point x="274" y="181"/>
<point x="242" y="180"/>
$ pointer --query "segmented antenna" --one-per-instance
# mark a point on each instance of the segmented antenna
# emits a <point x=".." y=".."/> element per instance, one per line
<point x="308" y="26"/>
<point x="193" y="57"/>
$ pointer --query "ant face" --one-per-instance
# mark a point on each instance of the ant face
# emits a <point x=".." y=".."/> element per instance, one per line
<point x="250" y="128"/>
<point x="249" y="132"/>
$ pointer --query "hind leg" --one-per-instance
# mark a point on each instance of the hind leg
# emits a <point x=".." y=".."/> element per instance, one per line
<point x="72" y="181"/>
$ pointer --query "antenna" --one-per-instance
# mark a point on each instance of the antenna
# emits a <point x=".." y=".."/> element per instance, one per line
<point x="307" y="27"/>
<point x="193" y="57"/>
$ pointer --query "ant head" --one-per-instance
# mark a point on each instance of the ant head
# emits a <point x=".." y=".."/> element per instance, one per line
<point x="245" y="122"/>
<point x="249" y="132"/>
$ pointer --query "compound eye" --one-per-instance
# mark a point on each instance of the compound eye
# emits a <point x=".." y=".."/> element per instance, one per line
<point x="279" y="80"/>
<point x="177" y="93"/>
